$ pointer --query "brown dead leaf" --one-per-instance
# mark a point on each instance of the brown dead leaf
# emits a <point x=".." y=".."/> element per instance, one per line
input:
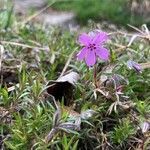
<point x="63" y="87"/>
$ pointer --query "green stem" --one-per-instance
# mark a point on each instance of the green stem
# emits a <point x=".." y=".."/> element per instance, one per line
<point x="95" y="76"/>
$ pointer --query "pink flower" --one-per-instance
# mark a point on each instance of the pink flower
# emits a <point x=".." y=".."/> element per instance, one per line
<point x="93" y="47"/>
<point x="133" y="65"/>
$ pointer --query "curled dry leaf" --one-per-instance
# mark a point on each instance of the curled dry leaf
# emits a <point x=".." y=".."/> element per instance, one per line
<point x="63" y="87"/>
<point x="71" y="78"/>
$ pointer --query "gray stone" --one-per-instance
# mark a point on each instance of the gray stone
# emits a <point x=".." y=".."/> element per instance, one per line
<point x="47" y="17"/>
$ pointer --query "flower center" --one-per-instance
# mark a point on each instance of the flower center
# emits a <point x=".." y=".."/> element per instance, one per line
<point x="92" y="47"/>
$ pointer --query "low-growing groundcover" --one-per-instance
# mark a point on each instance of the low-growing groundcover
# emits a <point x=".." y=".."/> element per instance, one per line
<point x="120" y="12"/>
<point x="51" y="100"/>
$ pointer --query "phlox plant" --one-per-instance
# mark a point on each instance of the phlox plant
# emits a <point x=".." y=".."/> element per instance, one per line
<point x="93" y="48"/>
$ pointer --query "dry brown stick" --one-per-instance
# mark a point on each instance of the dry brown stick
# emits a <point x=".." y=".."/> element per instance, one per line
<point x="21" y="45"/>
<point x="67" y="64"/>
<point x="128" y="34"/>
<point x="145" y="65"/>
<point x="29" y="46"/>
<point x="136" y="29"/>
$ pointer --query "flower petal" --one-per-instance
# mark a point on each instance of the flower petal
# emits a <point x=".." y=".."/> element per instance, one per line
<point x="81" y="55"/>
<point x="133" y="65"/>
<point x="100" y="37"/>
<point x="90" y="59"/>
<point x="102" y="52"/>
<point x="84" y="39"/>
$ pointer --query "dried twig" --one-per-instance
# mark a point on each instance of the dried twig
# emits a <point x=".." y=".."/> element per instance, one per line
<point x="145" y="65"/>
<point x="23" y="45"/>
<point x="67" y="64"/>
